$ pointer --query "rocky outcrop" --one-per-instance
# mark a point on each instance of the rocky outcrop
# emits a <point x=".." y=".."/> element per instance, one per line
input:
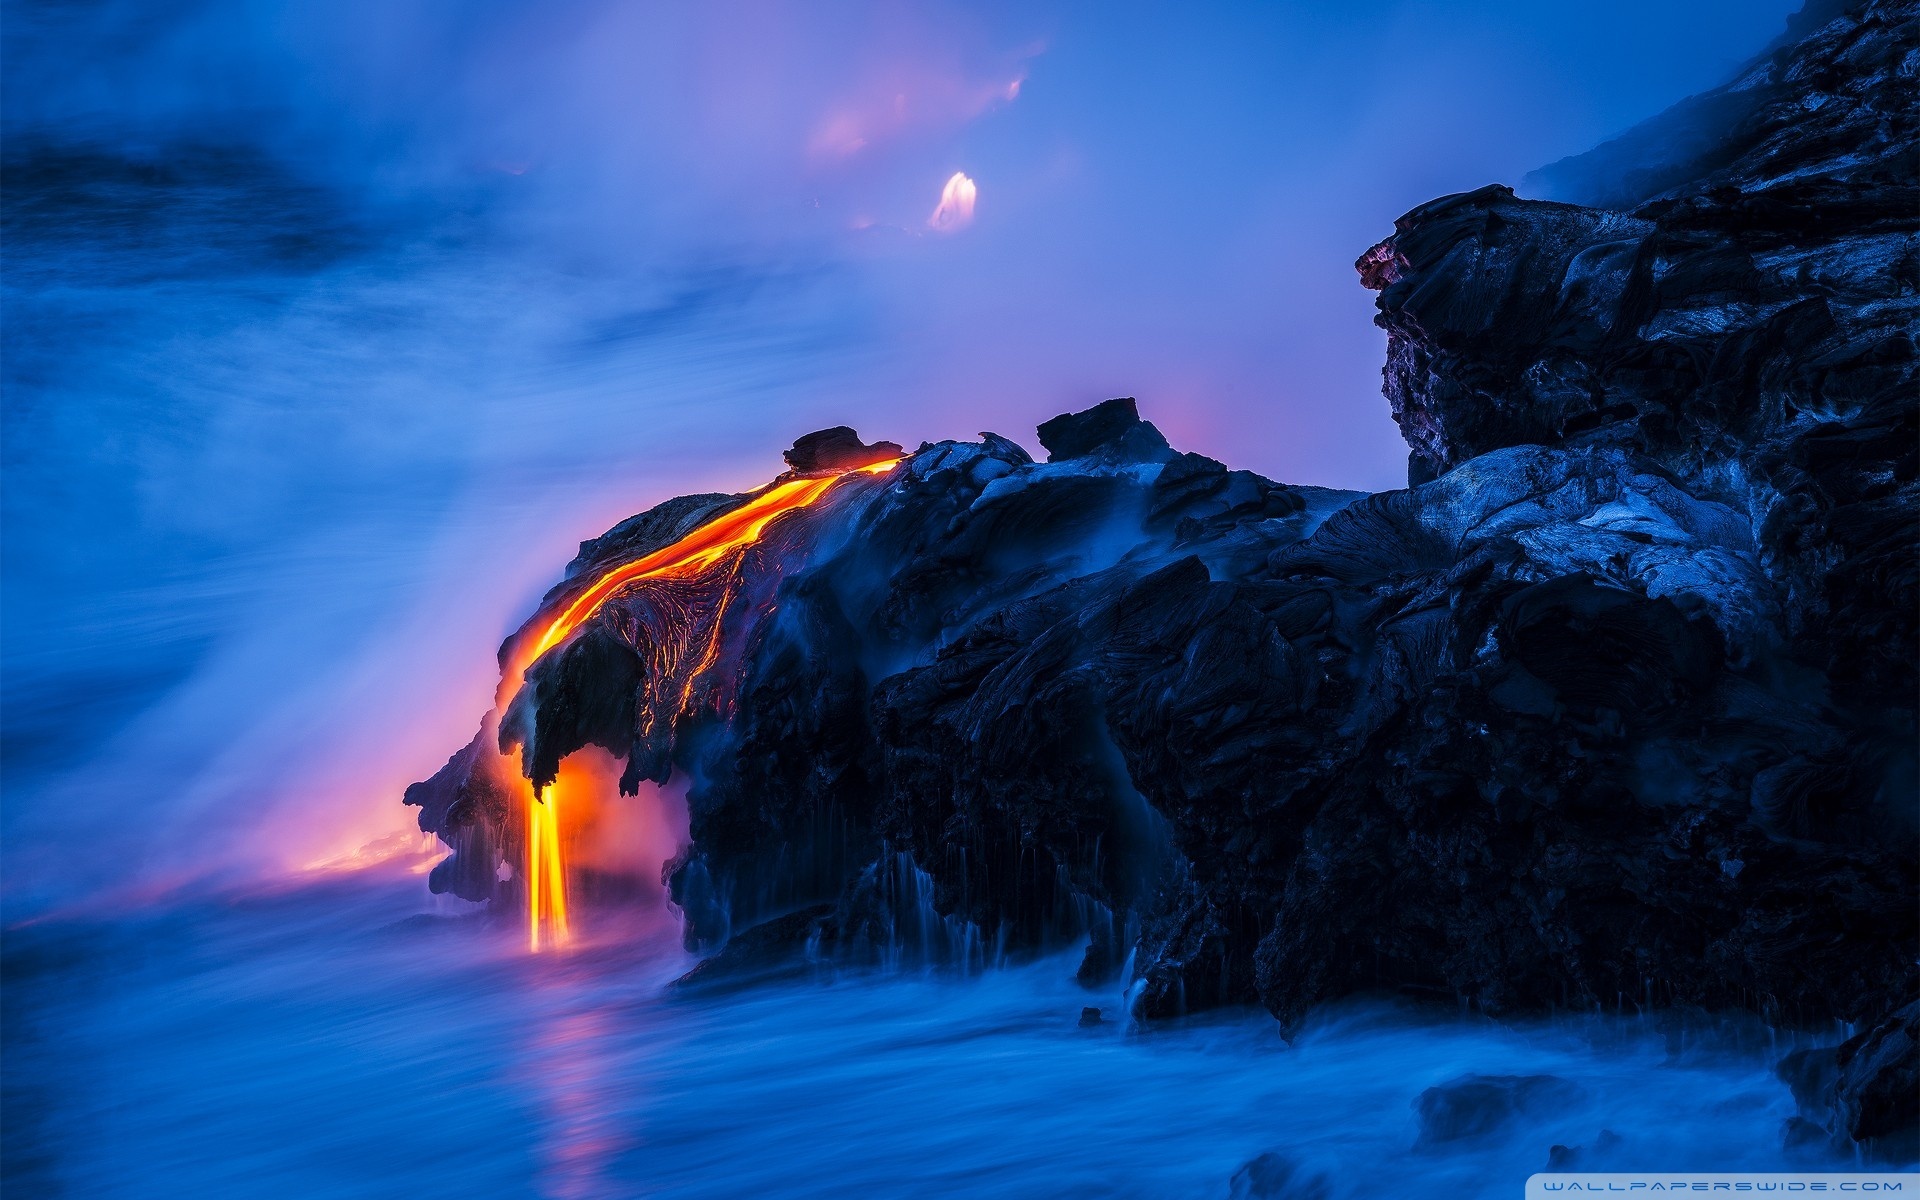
<point x="1863" y="1093"/>
<point x="1751" y="331"/>
<point x="1832" y="96"/>
<point x="1473" y="1107"/>
<point x="1112" y="429"/>
<point x="1613" y="706"/>
<point x="838" y="449"/>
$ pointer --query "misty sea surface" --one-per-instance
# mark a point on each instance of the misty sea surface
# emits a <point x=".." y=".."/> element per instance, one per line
<point x="317" y="1042"/>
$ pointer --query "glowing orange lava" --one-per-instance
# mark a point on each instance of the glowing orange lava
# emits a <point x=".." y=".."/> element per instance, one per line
<point x="546" y="876"/>
<point x="687" y="558"/>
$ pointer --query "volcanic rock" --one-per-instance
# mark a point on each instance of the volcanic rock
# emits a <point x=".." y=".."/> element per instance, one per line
<point x="1112" y="429"/>
<point x="1605" y="1147"/>
<point x="837" y="449"/>
<point x="773" y="949"/>
<point x="1864" y="1092"/>
<point x="661" y="525"/>
<point x="1276" y="1177"/>
<point x="1474" y="1106"/>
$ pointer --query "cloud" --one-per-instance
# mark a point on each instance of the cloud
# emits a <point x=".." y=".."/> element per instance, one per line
<point x="903" y="100"/>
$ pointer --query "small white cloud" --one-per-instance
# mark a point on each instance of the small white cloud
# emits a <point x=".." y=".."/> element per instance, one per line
<point x="955" y="210"/>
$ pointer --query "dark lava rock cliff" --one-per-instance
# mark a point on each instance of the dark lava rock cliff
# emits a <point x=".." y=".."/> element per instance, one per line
<point x="1613" y="707"/>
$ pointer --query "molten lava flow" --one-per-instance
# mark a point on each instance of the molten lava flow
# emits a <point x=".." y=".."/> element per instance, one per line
<point x="546" y="874"/>
<point x="687" y="558"/>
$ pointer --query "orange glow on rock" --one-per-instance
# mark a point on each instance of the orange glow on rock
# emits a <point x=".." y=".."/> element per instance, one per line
<point x="545" y="875"/>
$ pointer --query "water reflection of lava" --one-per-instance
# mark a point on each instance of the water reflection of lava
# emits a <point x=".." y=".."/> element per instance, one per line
<point x="582" y="1135"/>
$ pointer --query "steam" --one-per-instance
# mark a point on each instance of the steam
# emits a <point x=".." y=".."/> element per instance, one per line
<point x="955" y="210"/>
<point x="331" y="329"/>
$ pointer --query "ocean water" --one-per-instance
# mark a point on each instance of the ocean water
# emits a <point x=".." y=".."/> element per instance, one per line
<point x="360" y="1039"/>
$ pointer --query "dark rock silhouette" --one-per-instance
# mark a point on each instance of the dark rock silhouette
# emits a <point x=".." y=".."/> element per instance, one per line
<point x="770" y="950"/>
<point x="1276" y="1177"/>
<point x="1605" y="1148"/>
<point x="1112" y="429"/>
<point x="1613" y="707"/>
<point x="837" y="449"/>
<point x="1829" y="95"/>
<point x="1865" y="1092"/>
<point x="1476" y="1106"/>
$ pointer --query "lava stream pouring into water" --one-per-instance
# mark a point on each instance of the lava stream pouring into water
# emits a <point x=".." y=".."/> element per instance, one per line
<point x="699" y="551"/>
<point x="546" y="871"/>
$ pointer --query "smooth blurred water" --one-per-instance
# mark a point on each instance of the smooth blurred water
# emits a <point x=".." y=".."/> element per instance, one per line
<point x="317" y="1043"/>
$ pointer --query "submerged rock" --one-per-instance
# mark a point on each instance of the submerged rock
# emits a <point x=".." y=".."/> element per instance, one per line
<point x="1597" y="1156"/>
<point x="1476" y="1106"/>
<point x="773" y="949"/>
<point x="1275" y="1177"/>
